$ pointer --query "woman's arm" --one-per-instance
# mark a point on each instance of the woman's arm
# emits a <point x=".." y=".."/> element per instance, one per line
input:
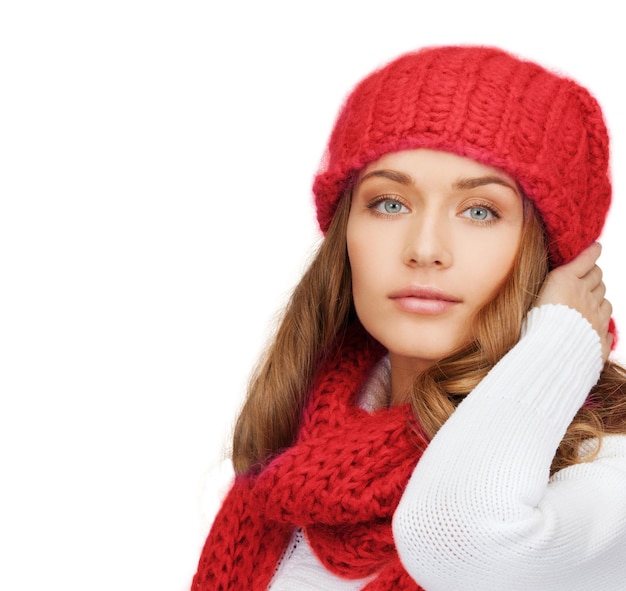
<point x="480" y="511"/>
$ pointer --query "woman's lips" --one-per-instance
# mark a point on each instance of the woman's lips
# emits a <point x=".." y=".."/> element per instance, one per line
<point x="424" y="300"/>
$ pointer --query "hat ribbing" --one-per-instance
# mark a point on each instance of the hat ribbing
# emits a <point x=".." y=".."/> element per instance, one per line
<point x="544" y="130"/>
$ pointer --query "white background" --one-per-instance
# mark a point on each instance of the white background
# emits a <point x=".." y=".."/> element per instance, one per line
<point x="155" y="211"/>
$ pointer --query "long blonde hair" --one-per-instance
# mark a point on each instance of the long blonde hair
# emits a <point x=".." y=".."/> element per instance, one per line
<point x="321" y="308"/>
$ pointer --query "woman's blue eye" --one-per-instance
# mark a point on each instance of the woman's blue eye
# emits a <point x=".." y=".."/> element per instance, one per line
<point x="480" y="214"/>
<point x="390" y="206"/>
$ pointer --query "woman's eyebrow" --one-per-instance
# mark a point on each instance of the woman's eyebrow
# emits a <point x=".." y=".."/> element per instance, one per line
<point x="393" y="175"/>
<point x="461" y="184"/>
<point x="473" y="182"/>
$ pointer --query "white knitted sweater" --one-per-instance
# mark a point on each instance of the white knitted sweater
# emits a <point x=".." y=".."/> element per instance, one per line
<point x="480" y="512"/>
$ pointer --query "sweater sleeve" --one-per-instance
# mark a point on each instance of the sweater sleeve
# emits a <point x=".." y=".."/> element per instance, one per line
<point x="480" y="510"/>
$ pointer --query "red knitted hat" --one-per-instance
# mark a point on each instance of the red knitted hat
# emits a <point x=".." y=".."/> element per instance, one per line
<point x="542" y="129"/>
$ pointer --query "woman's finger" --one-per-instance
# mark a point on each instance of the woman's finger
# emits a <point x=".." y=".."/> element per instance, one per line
<point x="599" y="291"/>
<point x="585" y="261"/>
<point x="593" y="278"/>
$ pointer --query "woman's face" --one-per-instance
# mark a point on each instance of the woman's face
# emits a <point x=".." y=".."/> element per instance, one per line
<point x="431" y="239"/>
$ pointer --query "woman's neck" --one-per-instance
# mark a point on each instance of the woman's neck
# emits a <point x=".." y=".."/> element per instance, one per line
<point x="404" y="372"/>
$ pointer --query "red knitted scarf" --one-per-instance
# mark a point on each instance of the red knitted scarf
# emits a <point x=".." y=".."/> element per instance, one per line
<point x="341" y="482"/>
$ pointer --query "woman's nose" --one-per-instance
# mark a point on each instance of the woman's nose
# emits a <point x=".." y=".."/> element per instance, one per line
<point x="427" y="242"/>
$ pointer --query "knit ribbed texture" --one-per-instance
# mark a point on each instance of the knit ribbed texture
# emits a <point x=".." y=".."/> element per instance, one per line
<point x="479" y="509"/>
<point x="300" y="569"/>
<point x="544" y="130"/>
<point x="340" y="482"/>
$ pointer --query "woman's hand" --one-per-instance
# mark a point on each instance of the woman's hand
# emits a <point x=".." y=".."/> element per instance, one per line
<point x="578" y="284"/>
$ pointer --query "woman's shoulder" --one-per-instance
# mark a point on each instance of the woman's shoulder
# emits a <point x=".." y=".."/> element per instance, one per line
<point x="613" y="446"/>
<point x="610" y="458"/>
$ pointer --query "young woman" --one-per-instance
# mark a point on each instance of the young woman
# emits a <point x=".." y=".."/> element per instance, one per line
<point x="437" y="410"/>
